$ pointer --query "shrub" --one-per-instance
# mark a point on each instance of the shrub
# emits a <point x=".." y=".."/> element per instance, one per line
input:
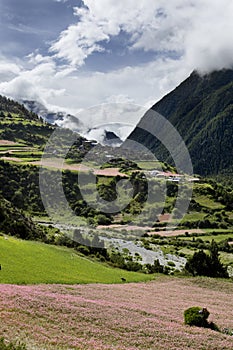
<point x="196" y="316"/>
<point x="102" y="219"/>
<point x="11" y="346"/>
<point x="155" y="268"/>
<point x="84" y="250"/>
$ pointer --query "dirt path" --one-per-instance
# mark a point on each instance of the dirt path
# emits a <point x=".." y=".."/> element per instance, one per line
<point x="7" y="143"/>
<point x="125" y="227"/>
<point x="13" y="159"/>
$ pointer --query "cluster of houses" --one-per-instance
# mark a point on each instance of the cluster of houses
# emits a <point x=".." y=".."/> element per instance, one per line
<point x="170" y="176"/>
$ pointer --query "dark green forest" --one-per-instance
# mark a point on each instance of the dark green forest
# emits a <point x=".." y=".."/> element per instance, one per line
<point x="201" y="109"/>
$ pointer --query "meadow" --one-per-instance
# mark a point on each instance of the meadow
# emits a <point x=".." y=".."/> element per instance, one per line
<point x="30" y="262"/>
<point x="120" y="316"/>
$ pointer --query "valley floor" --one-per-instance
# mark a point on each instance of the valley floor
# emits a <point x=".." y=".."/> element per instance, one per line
<point x="125" y="316"/>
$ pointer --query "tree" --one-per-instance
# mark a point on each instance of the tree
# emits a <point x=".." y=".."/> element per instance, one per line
<point x="217" y="268"/>
<point x="202" y="264"/>
<point x="198" y="264"/>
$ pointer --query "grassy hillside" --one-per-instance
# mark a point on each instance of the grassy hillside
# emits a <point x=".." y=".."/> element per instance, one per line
<point x="27" y="133"/>
<point x="28" y="262"/>
<point x="19" y="125"/>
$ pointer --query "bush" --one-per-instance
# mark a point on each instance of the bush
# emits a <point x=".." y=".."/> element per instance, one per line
<point x="196" y="316"/>
<point x="84" y="249"/>
<point x="102" y="219"/>
<point x="11" y="346"/>
<point x="155" y="268"/>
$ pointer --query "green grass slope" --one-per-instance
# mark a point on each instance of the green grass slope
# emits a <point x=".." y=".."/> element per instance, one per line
<point x="28" y="262"/>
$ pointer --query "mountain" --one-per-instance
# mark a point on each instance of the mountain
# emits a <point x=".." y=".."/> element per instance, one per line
<point x="35" y="107"/>
<point x="17" y="124"/>
<point x="8" y="106"/>
<point x="110" y="134"/>
<point x="105" y="134"/>
<point x="61" y="118"/>
<point x="111" y="139"/>
<point x="201" y="109"/>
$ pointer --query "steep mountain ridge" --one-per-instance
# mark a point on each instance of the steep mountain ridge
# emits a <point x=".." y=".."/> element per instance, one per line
<point x="17" y="124"/>
<point x="201" y="109"/>
<point x="8" y="105"/>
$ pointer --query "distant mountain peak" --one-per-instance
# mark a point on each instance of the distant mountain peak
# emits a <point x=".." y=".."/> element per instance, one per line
<point x="111" y="139"/>
<point x="61" y="118"/>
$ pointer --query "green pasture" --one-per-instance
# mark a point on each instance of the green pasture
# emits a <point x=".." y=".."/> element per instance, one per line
<point x="149" y="165"/>
<point x="194" y="216"/>
<point x="209" y="237"/>
<point x="206" y="201"/>
<point x="28" y="262"/>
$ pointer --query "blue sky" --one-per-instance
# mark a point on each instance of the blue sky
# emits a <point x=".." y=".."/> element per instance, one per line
<point x="73" y="54"/>
<point x="28" y="25"/>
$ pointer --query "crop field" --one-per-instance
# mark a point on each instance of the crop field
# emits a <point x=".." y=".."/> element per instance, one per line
<point x="28" y="262"/>
<point x="149" y="165"/>
<point x="207" y="202"/>
<point x="18" y="152"/>
<point x="194" y="216"/>
<point x="217" y="237"/>
<point x="121" y="316"/>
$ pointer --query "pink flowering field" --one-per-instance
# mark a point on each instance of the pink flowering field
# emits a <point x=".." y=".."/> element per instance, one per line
<point x="125" y="316"/>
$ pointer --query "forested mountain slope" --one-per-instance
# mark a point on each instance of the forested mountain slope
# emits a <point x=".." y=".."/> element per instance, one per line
<point x="201" y="109"/>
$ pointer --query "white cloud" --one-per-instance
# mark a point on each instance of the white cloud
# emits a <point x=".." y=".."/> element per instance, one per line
<point x="32" y="84"/>
<point x="209" y="45"/>
<point x="61" y="90"/>
<point x="119" y="118"/>
<point x="8" y="70"/>
<point x="36" y="58"/>
<point x="79" y="41"/>
<point x="199" y="31"/>
<point x="138" y="84"/>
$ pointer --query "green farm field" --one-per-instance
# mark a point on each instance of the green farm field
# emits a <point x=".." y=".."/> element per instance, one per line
<point x="218" y="236"/>
<point x="29" y="262"/>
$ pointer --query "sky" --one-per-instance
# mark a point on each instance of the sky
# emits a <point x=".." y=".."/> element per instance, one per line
<point x="72" y="54"/>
